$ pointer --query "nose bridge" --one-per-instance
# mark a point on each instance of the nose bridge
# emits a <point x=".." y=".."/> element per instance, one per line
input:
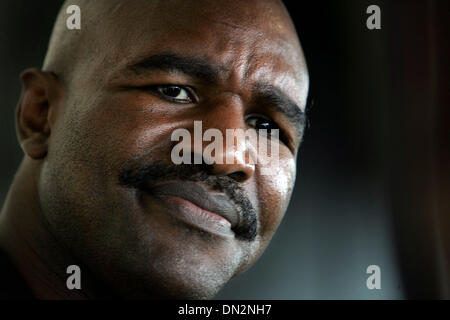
<point x="225" y="112"/>
<point x="225" y="115"/>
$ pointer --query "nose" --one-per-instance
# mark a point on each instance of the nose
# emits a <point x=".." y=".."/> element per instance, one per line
<point x="240" y="170"/>
<point x="226" y="113"/>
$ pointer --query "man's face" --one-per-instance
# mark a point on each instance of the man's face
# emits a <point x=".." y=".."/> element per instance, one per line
<point x="109" y="189"/>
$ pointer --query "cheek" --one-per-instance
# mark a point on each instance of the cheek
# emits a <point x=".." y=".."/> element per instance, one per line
<point x="138" y="125"/>
<point x="116" y="128"/>
<point x="274" y="192"/>
<point x="94" y="138"/>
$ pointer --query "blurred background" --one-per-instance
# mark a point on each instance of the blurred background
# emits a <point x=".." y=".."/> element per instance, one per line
<point x="373" y="184"/>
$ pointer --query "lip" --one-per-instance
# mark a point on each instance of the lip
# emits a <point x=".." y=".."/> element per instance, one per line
<point x="193" y="204"/>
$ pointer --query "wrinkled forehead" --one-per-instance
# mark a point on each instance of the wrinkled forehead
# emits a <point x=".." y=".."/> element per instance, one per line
<point x="261" y="16"/>
<point x="252" y="37"/>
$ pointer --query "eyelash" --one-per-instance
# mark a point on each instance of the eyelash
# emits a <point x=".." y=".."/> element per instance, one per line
<point x="281" y="134"/>
<point x="193" y="98"/>
<point x="189" y="90"/>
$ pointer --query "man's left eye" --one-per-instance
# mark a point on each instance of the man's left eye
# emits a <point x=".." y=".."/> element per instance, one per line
<point x="176" y="93"/>
<point x="261" y="123"/>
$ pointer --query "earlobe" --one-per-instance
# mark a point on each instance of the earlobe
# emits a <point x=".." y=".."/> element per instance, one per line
<point x="33" y="110"/>
<point x="35" y="147"/>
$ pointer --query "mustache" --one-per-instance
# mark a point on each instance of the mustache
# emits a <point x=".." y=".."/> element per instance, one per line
<point x="139" y="178"/>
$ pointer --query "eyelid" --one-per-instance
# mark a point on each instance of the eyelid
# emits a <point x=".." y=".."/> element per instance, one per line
<point x="284" y="137"/>
<point x="262" y="116"/>
<point x="190" y="90"/>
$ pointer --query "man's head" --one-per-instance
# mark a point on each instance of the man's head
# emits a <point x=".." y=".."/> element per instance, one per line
<point x="96" y="127"/>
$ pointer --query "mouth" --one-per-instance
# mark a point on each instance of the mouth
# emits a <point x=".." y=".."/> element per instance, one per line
<point x="198" y="207"/>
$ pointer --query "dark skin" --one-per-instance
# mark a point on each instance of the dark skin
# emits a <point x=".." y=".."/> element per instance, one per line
<point x="80" y="122"/>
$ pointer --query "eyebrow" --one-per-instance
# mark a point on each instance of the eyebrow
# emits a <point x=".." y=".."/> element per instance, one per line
<point x="270" y="96"/>
<point x="194" y="67"/>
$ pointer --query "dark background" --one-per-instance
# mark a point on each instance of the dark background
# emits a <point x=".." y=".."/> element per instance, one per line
<point x="373" y="179"/>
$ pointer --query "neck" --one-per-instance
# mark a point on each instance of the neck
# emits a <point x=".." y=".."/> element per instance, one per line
<point x="26" y="237"/>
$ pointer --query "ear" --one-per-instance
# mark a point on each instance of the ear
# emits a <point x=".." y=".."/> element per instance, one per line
<point x="37" y="104"/>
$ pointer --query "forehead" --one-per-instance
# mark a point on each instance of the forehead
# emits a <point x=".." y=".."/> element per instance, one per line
<point x="248" y="40"/>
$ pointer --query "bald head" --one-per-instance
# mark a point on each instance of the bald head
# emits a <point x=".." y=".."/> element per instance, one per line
<point x="110" y="26"/>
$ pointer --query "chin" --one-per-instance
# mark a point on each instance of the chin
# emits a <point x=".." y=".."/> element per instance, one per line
<point x="167" y="280"/>
<point x="174" y="290"/>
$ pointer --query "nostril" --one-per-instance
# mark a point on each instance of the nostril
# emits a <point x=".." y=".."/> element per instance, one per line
<point x="238" y="176"/>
